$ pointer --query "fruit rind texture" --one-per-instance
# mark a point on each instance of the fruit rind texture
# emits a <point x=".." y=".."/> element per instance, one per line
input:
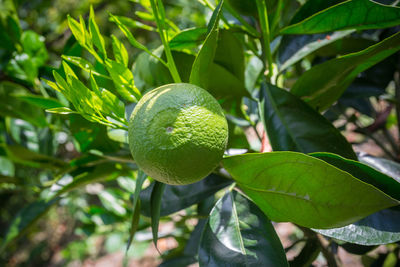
<point x="178" y="133"/>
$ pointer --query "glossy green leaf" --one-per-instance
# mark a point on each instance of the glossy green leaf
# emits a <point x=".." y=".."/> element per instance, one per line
<point x="61" y="110"/>
<point x="6" y="167"/>
<point x="83" y="64"/>
<point x="292" y="125"/>
<point x="188" y="39"/>
<point x="363" y="172"/>
<point x="141" y="177"/>
<point x="382" y="227"/>
<point x="120" y="52"/>
<point x="77" y="30"/>
<point x="179" y="197"/>
<point x="25" y="219"/>
<point x="97" y="39"/>
<point x="123" y="81"/>
<point x="155" y="209"/>
<point x="201" y="65"/>
<point x="239" y="233"/>
<point x="290" y="186"/>
<point x="128" y="34"/>
<point x="323" y="84"/>
<point x="352" y="14"/>
<point x="312" y="7"/>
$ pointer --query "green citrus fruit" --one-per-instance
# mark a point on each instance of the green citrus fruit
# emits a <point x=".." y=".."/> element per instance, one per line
<point x="178" y="133"/>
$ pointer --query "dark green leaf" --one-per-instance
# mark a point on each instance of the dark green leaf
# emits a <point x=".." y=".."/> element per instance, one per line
<point x="352" y="14"/>
<point x="25" y="219"/>
<point x="294" y="48"/>
<point x="179" y="197"/>
<point x="292" y="125"/>
<point x="295" y="187"/>
<point x="363" y="172"/>
<point x="155" y="209"/>
<point x="201" y="66"/>
<point x="323" y="84"/>
<point x="240" y="234"/>
<point x="12" y="106"/>
<point x="141" y="177"/>
<point x="27" y="157"/>
<point x="311" y="7"/>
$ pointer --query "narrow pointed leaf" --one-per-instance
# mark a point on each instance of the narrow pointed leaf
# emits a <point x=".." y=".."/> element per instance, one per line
<point x="292" y="125"/>
<point x="141" y="177"/>
<point x="77" y="31"/>
<point x="352" y="14"/>
<point x="295" y="187"/>
<point x="155" y="208"/>
<point x="201" y="65"/>
<point x="97" y="39"/>
<point x="323" y="84"/>
<point x="239" y="233"/>
<point x="120" y="52"/>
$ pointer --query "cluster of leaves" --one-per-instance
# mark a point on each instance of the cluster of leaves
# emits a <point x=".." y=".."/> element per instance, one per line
<point x="296" y="68"/>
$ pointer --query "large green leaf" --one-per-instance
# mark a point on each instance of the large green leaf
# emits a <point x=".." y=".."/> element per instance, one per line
<point x="295" y="187"/>
<point x="201" y="65"/>
<point x="292" y="125"/>
<point x="352" y="14"/>
<point x="382" y="227"/>
<point x="363" y="172"/>
<point x="240" y="234"/>
<point x="323" y="84"/>
<point x="25" y="219"/>
<point x="179" y="197"/>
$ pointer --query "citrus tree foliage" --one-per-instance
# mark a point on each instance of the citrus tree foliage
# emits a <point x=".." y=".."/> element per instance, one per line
<point x="302" y="69"/>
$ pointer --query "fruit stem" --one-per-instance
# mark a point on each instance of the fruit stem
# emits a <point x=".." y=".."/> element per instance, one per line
<point x="263" y="14"/>
<point x="159" y="15"/>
